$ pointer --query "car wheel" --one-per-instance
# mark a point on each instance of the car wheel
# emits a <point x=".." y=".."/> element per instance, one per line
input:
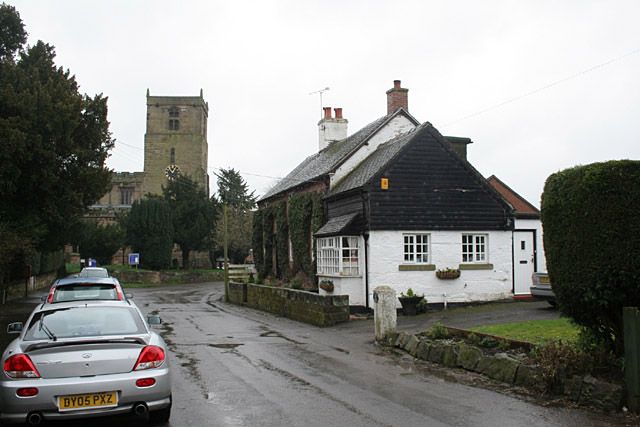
<point x="160" y="416"/>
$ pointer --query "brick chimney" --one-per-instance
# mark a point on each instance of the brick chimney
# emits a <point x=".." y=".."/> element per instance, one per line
<point x="331" y="129"/>
<point x="397" y="98"/>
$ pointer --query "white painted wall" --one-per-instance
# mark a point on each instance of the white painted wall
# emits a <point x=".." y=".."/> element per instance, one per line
<point x="331" y="130"/>
<point x="386" y="254"/>
<point x="535" y="224"/>
<point x="397" y="126"/>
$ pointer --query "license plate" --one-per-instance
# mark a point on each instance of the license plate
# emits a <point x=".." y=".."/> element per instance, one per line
<point x="544" y="280"/>
<point x="105" y="399"/>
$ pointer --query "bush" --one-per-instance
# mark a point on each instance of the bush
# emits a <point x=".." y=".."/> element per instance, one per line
<point x="100" y="241"/>
<point x="438" y="331"/>
<point x="557" y="361"/>
<point x="591" y="236"/>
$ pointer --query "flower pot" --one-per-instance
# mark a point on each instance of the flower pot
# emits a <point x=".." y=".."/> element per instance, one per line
<point x="326" y="286"/>
<point x="447" y="274"/>
<point x="410" y="304"/>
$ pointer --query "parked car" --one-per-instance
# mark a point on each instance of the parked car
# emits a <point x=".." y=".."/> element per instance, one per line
<point x="93" y="272"/>
<point x="81" y="289"/>
<point x="541" y="288"/>
<point x="76" y="360"/>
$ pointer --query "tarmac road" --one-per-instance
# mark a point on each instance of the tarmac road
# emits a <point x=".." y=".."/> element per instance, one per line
<point x="234" y="366"/>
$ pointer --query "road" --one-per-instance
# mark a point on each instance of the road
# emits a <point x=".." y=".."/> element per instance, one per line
<point x="233" y="366"/>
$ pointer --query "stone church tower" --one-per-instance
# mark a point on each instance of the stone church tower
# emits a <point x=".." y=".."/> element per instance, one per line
<point x="176" y="141"/>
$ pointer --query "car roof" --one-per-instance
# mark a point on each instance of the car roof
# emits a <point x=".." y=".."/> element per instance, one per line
<point x="92" y="280"/>
<point x="94" y="269"/>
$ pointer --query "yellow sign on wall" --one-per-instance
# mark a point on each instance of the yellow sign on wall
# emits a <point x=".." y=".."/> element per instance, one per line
<point x="384" y="183"/>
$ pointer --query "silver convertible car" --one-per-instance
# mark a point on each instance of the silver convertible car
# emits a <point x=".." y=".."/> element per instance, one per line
<point x="84" y="359"/>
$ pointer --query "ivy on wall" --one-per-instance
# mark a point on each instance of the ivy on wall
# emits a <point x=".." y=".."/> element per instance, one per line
<point x="296" y="220"/>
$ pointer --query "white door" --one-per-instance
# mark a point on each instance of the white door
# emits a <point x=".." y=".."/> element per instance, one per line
<point x="523" y="263"/>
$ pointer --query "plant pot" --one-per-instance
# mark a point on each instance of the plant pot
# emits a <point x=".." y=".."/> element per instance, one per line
<point x="326" y="286"/>
<point x="448" y="275"/>
<point x="410" y="304"/>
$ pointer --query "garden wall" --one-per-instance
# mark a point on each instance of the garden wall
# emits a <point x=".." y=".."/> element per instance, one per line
<point x="307" y="307"/>
<point x="16" y="290"/>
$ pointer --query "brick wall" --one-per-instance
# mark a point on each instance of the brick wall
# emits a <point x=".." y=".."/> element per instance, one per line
<point x="307" y="307"/>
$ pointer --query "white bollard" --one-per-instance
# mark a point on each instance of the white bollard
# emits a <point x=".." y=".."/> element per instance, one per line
<point x="385" y="316"/>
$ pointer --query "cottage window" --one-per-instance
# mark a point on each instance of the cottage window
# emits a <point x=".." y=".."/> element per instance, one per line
<point x="474" y="248"/>
<point x="338" y="255"/>
<point x="416" y="248"/>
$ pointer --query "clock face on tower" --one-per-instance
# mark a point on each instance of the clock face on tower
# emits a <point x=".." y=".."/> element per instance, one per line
<point x="172" y="172"/>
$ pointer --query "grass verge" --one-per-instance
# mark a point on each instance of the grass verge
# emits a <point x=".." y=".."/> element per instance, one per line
<point x="534" y="331"/>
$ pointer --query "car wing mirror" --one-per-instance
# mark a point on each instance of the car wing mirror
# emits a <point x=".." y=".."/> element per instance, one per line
<point x="129" y="296"/>
<point x="43" y="298"/>
<point x="14" y="328"/>
<point x="154" y="320"/>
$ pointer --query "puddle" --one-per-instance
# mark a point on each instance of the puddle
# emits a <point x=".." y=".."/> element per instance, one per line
<point x="225" y="345"/>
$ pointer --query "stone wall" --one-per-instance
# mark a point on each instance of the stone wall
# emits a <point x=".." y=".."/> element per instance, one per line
<point x="307" y="307"/>
<point x="582" y="389"/>
<point x="16" y="290"/>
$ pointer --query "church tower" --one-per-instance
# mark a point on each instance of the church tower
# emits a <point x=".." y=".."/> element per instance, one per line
<point x="176" y="141"/>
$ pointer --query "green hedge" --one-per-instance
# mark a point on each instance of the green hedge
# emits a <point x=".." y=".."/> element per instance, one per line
<point x="592" y="240"/>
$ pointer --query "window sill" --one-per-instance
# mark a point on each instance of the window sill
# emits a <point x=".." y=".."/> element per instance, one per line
<point x="337" y="275"/>
<point x="416" y="267"/>
<point x="475" y="266"/>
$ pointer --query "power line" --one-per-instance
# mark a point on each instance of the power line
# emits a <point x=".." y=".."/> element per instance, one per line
<point x="545" y="87"/>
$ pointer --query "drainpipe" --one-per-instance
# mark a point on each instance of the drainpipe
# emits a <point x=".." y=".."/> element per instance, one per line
<point x="366" y="270"/>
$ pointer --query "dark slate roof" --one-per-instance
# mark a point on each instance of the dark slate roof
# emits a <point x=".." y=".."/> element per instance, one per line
<point x="370" y="166"/>
<point x="326" y="160"/>
<point x="336" y="225"/>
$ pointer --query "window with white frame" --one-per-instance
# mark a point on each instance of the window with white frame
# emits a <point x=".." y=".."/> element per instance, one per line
<point x="474" y="248"/>
<point x="416" y="248"/>
<point x="338" y="255"/>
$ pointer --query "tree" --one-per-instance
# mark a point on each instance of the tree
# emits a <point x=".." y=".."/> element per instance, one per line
<point x="194" y="215"/>
<point x="99" y="241"/>
<point x="149" y="228"/>
<point x="591" y="241"/>
<point x="53" y="141"/>
<point x="234" y="191"/>
<point x="12" y="33"/>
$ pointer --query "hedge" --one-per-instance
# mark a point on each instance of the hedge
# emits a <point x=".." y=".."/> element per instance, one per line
<point x="591" y="222"/>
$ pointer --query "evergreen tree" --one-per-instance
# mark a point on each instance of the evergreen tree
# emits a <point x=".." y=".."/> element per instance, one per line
<point x="149" y="228"/>
<point x="53" y="141"/>
<point x="194" y="215"/>
<point x="234" y="191"/>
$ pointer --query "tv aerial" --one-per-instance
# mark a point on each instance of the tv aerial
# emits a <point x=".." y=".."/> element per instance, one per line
<point x="320" y="92"/>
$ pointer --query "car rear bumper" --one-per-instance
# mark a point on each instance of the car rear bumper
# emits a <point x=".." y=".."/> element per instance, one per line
<point x="545" y="293"/>
<point x="16" y="409"/>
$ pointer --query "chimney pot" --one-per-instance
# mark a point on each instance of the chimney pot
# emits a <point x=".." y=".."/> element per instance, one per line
<point x="396" y="84"/>
<point x="327" y="112"/>
<point x="338" y="112"/>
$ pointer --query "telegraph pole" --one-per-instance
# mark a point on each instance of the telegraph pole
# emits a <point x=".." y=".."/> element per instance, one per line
<point x="226" y="253"/>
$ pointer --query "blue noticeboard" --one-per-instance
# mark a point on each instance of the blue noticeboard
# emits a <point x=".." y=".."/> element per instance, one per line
<point x="134" y="259"/>
<point x="92" y="262"/>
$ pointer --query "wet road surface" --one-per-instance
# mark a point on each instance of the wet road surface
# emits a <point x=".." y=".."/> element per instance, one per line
<point x="233" y="366"/>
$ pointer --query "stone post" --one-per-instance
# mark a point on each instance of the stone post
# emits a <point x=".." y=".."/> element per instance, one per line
<point x="631" y="316"/>
<point x="385" y="316"/>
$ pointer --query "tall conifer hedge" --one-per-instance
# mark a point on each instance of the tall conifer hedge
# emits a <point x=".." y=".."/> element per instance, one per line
<point x="591" y="220"/>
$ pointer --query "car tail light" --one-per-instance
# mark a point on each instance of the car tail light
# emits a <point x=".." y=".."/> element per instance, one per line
<point x="151" y="356"/>
<point x="20" y="366"/>
<point x="50" y="296"/>
<point x="119" y="292"/>
<point x="145" y="382"/>
<point x="27" y="391"/>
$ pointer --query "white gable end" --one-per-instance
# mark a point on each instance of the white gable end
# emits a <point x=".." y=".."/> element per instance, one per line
<point x="396" y="126"/>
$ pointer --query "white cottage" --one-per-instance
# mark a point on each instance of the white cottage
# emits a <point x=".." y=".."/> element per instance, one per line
<point x="401" y="203"/>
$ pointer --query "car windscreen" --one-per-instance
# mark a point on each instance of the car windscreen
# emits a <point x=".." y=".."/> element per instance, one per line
<point x="85" y="291"/>
<point x="87" y="321"/>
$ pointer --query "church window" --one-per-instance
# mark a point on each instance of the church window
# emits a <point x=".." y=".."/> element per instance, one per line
<point x="173" y="156"/>
<point x="174" y="122"/>
<point x="126" y="195"/>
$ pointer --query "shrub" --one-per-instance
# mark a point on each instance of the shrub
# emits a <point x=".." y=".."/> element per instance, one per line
<point x="591" y="236"/>
<point x="438" y="331"/>
<point x="150" y="232"/>
<point x="558" y="360"/>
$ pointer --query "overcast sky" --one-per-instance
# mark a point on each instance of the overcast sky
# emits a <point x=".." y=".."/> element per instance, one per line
<point x="539" y="86"/>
